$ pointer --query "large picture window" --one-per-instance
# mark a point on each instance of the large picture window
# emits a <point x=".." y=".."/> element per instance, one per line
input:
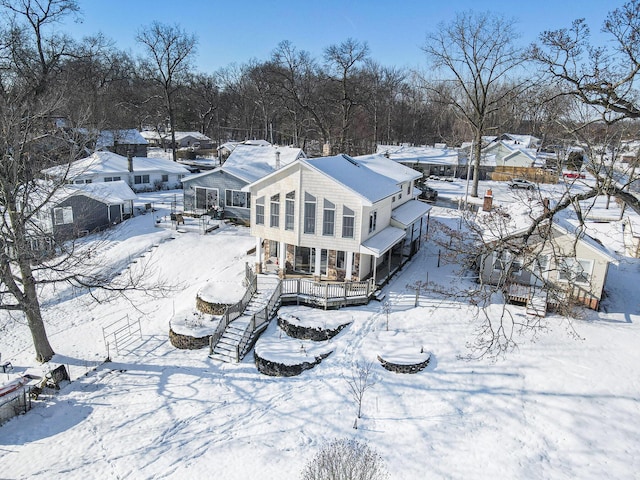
<point x="140" y="179"/>
<point x="576" y="270"/>
<point x="328" y="218"/>
<point x="309" y="213"/>
<point x="348" y="222"/>
<point x="260" y="211"/>
<point x="289" y="211"/>
<point x="275" y="211"/>
<point x="236" y="198"/>
<point x="63" y="215"/>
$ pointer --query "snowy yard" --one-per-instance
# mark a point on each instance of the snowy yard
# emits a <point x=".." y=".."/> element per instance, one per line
<point x="564" y="405"/>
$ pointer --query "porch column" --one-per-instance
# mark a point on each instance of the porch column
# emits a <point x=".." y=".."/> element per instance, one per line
<point x="375" y="268"/>
<point x="282" y="259"/>
<point x="316" y="268"/>
<point x="349" y="269"/>
<point x="258" y="255"/>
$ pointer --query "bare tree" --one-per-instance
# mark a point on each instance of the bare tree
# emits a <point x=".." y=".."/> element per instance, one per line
<point x="345" y="460"/>
<point x="343" y="60"/>
<point x="478" y="51"/>
<point x="600" y="82"/>
<point x="361" y="380"/>
<point x="40" y="126"/>
<point x="169" y="50"/>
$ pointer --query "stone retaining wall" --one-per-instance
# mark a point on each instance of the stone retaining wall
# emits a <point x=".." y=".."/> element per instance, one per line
<point x="186" y="342"/>
<point x="316" y="334"/>
<point x="400" y="368"/>
<point x="210" y="307"/>
<point x="274" y="369"/>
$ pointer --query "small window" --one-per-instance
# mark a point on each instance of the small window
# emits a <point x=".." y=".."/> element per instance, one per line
<point x="373" y="219"/>
<point x="165" y="178"/>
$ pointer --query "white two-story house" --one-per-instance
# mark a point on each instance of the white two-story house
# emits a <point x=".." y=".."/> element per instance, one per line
<point x="336" y="218"/>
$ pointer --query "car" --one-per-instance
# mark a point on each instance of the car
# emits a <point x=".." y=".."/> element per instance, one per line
<point x="572" y="174"/>
<point x="521" y="183"/>
<point x="429" y="194"/>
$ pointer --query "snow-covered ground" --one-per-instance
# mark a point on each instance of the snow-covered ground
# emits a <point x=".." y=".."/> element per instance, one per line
<point x="564" y="405"/>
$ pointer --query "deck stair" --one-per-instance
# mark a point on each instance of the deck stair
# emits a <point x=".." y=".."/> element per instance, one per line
<point x="537" y="303"/>
<point x="240" y="333"/>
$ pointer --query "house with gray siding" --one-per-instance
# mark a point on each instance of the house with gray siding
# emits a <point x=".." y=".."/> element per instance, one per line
<point x="77" y="210"/>
<point x="219" y="192"/>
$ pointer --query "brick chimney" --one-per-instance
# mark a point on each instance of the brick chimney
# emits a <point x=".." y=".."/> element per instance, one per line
<point x="545" y="204"/>
<point x="488" y="201"/>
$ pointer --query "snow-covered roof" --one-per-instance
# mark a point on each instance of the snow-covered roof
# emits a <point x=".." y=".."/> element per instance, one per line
<point x="110" y="193"/>
<point x="196" y="135"/>
<point x="526" y="141"/>
<point x="251" y="162"/>
<point x="130" y="136"/>
<point x="519" y="221"/>
<point x="381" y="242"/>
<point x="389" y="168"/>
<point x="409" y="212"/>
<point x="419" y="155"/>
<point x="355" y="175"/>
<point x="100" y="163"/>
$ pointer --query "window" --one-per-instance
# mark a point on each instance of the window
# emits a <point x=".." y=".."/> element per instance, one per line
<point x="236" y="198"/>
<point x="504" y="260"/>
<point x="165" y="177"/>
<point x="340" y="260"/>
<point x="138" y="179"/>
<point x="275" y="211"/>
<point x="373" y="219"/>
<point x="289" y="210"/>
<point x="63" y="215"/>
<point x="111" y="179"/>
<point x="309" y="213"/>
<point x="328" y="218"/>
<point x="348" y="220"/>
<point x="575" y="270"/>
<point x="260" y="211"/>
<point x="206" y="198"/>
<point x="409" y="189"/>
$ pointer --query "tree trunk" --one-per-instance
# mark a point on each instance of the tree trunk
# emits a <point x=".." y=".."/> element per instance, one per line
<point x="477" y="152"/>
<point x="31" y="305"/>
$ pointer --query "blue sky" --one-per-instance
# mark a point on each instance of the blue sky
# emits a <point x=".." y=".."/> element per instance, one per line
<point x="238" y="31"/>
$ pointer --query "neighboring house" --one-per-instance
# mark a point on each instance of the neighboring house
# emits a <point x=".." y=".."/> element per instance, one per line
<point x="510" y="155"/>
<point x="123" y="142"/>
<point x="561" y="260"/>
<point x="337" y="218"/>
<point x="77" y="210"/>
<point x="183" y="139"/>
<point x="220" y="189"/>
<point x="439" y="161"/>
<point x="191" y="139"/>
<point x="140" y="173"/>
<point x="520" y="141"/>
